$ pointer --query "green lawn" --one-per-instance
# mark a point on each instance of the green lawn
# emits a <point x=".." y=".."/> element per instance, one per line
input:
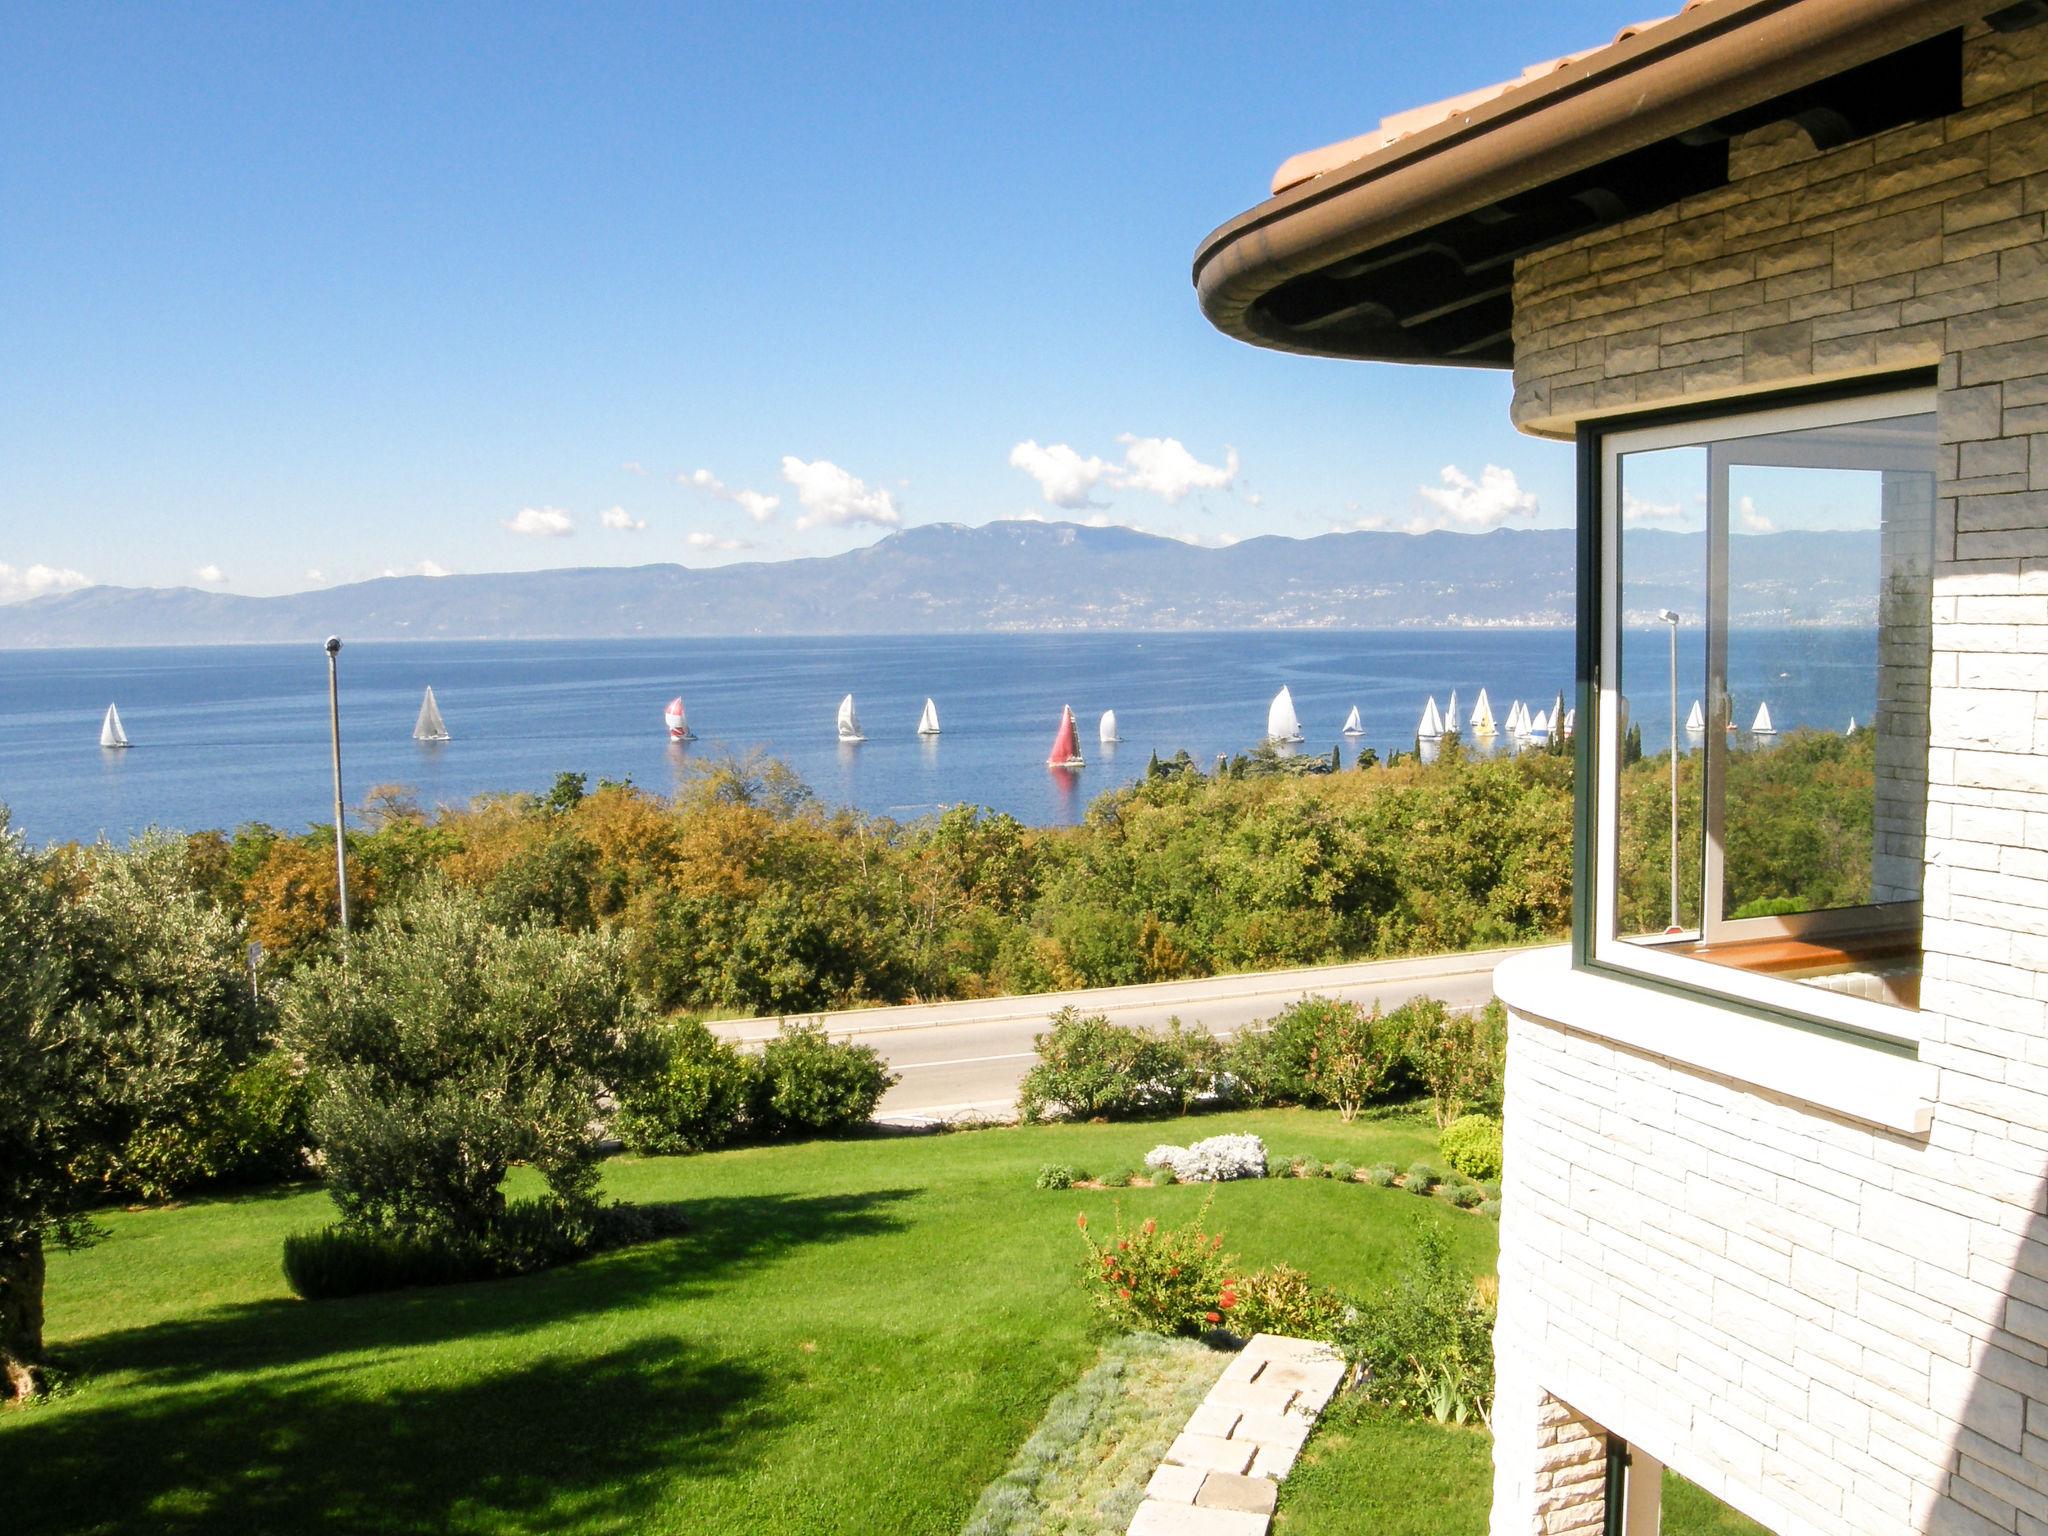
<point x="855" y="1337"/>
<point x="1368" y="1470"/>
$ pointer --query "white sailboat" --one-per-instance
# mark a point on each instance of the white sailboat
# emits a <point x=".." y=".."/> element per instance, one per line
<point x="1281" y="722"/>
<point x="1451" y="714"/>
<point x="1353" y="726"/>
<point x="1482" y="717"/>
<point x="1106" y="731"/>
<point x="1571" y="721"/>
<point x="1761" y="725"/>
<point x="677" y="721"/>
<point x="1517" y="722"/>
<point x="111" y="734"/>
<point x="1695" y="722"/>
<point x="429" y="726"/>
<point x="1852" y="727"/>
<point x="928" y="722"/>
<point x="1431" y="725"/>
<point x="849" y="722"/>
<point x="1539" y="724"/>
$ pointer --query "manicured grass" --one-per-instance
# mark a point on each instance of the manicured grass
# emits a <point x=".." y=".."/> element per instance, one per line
<point x="1690" y="1510"/>
<point x="856" y="1337"/>
<point x="1368" y="1470"/>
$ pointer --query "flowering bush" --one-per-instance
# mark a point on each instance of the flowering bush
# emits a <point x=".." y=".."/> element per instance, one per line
<point x="1153" y="1279"/>
<point x="1212" y="1161"/>
<point x="1284" y="1300"/>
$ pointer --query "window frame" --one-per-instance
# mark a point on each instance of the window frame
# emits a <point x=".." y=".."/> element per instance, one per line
<point x="1601" y="442"/>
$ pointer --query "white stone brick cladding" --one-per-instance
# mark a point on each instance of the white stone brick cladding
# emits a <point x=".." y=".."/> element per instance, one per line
<point x="1832" y="1326"/>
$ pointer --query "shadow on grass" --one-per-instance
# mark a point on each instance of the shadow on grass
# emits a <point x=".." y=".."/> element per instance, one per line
<point x="728" y="1237"/>
<point x="555" y="1442"/>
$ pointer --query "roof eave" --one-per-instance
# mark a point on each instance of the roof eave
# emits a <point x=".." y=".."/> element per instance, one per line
<point x="1707" y="63"/>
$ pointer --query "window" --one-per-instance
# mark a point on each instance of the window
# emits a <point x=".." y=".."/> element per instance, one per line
<point x="1760" y="746"/>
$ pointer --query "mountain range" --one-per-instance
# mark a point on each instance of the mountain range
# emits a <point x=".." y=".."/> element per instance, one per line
<point x="1011" y="575"/>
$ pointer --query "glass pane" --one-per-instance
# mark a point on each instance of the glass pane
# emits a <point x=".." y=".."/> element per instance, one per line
<point x="1770" y="745"/>
<point x="1662" y="646"/>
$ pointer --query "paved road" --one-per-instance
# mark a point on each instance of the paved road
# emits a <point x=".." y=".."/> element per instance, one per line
<point x="958" y="1059"/>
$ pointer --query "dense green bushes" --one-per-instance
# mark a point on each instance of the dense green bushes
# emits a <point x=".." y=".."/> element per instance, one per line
<point x="1320" y="1051"/>
<point x="703" y="1092"/>
<point x="1472" y="1145"/>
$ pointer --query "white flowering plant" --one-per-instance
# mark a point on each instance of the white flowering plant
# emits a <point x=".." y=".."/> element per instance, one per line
<point x="1212" y="1161"/>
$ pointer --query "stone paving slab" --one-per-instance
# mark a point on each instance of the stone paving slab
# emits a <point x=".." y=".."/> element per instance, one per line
<point x="1221" y="1472"/>
<point x="1156" y="1519"/>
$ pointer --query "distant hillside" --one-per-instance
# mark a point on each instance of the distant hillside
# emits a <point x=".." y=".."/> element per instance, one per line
<point x="945" y="577"/>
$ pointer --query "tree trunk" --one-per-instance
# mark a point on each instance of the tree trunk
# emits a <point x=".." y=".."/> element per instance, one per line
<point x="21" y="1319"/>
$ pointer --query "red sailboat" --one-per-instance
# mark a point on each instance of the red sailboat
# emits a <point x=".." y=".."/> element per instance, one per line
<point x="1066" y="746"/>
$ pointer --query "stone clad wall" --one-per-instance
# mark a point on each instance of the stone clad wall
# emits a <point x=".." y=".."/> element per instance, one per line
<point x="1832" y="1326"/>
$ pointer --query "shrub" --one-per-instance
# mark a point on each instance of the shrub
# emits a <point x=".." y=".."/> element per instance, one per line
<point x="1464" y="1196"/>
<point x="1284" y="1300"/>
<point x="1213" y="1160"/>
<point x="1353" y="1053"/>
<point x="1059" y="1176"/>
<point x="1381" y="1177"/>
<point x="694" y="1096"/>
<point x="809" y="1084"/>
<point x="1341" y="1171"/>
<point x="1151" y="1279"/>
<point x="1164" y="1175"/>
<point x="1490" y="1208"/>
<point x="1307" y="1167"/>
<point x="1427" y="1339"/>
<point x="1268" y="1063"/>
<point x="1461" y="1058"/>
<point x="1089" y="1068"/>
<point x="1420" y="1178"/>
<point x="445" y="1049"/>
<point x="1472" y="1145"/>
<point x="1118" y="1178"/>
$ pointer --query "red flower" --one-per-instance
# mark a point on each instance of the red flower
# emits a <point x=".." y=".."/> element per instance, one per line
<point x="1227" y="1300"/>
<point x="1150" y="1226"/>
<point x="1216" y="1241"/>
<point x="1081" y="1220"/>
<point x="1124" y="1292"/>
<point x="1214" y="1317"/>
<point x="1121" y="1245"/>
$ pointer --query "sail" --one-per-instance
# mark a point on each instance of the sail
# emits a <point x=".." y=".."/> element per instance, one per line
<point x="1697" y="720"/>
<point x="1761" y="725"/>
<point x="1432" y="723"/>
<point x="1106" y="732"/>
<point x="1353" y="726"/>
<point x="849" y="722"/>
<point x="1482" y="716"/>
<point x="1852" y="727"/>
<point x="1066" y="746"/>
<point x="1451" y="714"/>
<point x="1539" y="724"/>
<point x="676" y="720"/>
<point x="429" y="727"/>
<point x="111" y="734"/>
<point x="928" y="722"/>
<point x="1281" y="722"/>
<point x="1515" y="724"/>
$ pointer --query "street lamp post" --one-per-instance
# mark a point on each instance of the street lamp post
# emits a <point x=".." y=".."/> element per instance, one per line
<point x="1670" y="616"/>
<point x="340" y="829"/>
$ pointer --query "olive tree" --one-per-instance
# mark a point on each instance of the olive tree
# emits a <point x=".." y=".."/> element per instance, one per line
<point x="445" y="1048"/>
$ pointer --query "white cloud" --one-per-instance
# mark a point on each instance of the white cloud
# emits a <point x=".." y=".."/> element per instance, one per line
<point x="834" y="498"/>
<point x="758" y="505"/>
<point x="621" y="519"/>
<point x="1166" y="469"/>
<point x="634" y="467"/>
<point x="542" y="523"/>
<point x="315" y="575"/>
<point x="1371" y="523"/>
<point x="1064" y="478"/>
<point x="19" y="584"/>
<point x="1752" y="520"/>
<point x="1159" y="466"/>
<point x="1465" y="503"/>
<point x="210" y="575"/>
<point x="1640" y="509"/>
<point x="699" y="539"/>
<point x="424" y="568"/>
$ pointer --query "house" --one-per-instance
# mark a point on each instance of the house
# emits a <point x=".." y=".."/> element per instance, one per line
<point x="1777" y="1127"/>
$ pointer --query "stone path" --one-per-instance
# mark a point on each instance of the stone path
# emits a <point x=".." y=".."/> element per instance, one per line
<point x="1221" y="1474"/>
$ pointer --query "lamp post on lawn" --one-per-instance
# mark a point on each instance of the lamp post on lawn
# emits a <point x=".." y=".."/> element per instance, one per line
<point x="1670" y="616"/>
<point x="340" y="831"/>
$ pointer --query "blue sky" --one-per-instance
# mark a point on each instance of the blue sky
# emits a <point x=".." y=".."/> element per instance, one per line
<point x="343" y="290"/>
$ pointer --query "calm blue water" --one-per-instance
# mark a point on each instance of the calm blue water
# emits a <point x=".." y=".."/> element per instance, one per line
<point x="230" y="734"/>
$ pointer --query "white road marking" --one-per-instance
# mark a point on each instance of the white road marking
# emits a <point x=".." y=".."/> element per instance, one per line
<point x="963" y="1061"/>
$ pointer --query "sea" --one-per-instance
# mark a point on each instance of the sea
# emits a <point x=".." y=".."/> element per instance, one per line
<point x="225" y="735"/>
